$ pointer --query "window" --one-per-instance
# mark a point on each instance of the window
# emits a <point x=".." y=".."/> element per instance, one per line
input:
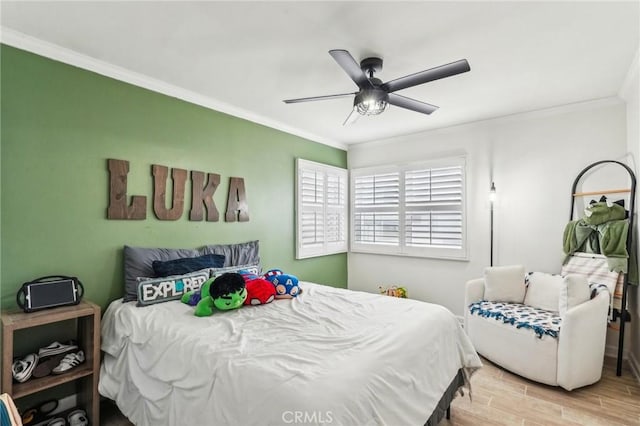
<point x="412" y="210"/>
<point x="321" y="216"/>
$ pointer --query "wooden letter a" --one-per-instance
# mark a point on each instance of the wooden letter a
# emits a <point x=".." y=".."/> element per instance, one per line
<point x="237" y="206"/>
<point x="118" y="209"/>
<point x="159" y="192"/>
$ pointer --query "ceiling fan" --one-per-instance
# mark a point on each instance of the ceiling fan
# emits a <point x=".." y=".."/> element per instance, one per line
<point x="374" y="96"/>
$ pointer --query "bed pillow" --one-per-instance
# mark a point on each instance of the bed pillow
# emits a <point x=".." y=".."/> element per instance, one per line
<point x="504" y="284"/>
<point x="543" y="291"/>
<point x="251" y="269"/>
<point x="138" y="263"/>
<point x="167" y="268"/>
<point x="574" y="291"/>
<point x="236" y="254"/>
<point x="164" y="289"/>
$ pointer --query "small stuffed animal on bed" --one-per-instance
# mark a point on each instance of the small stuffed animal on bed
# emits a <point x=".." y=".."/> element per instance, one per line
<point x="259" y="291"/>
<point x="286" y="285"/>
<point x="225" y="292"/>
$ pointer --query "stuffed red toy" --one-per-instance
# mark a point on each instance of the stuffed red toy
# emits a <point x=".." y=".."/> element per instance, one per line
<point x="259" y="292"/>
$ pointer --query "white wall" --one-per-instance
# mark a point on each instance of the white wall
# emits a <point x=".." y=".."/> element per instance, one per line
<point x="630" y="92"/>
<point x="533" y="157"/>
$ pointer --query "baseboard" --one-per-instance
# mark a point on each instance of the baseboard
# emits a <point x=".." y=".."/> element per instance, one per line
<point x="635" y="366"/>
<point x="612" y="352"/>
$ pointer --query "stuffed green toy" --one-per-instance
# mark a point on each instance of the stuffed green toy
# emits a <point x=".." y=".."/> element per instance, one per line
<point x="224" y="292"/>
<point x="603" y="211"/>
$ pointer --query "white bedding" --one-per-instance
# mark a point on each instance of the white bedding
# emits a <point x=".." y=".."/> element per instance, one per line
<point x="330" y="356"/>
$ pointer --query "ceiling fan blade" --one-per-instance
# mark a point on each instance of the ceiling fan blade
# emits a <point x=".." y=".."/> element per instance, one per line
<point x="318" y="98"/>
<point x="353" y="116"/>
<point x="351" y="67"/>
<point x="432" y="74"/>
<point x="412" y="104"/>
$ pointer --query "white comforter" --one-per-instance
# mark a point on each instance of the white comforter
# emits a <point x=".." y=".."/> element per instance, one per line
<point x="330" y="356"/>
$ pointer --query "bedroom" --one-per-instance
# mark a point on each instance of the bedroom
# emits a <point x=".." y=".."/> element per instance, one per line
<point x="82" y="88"/>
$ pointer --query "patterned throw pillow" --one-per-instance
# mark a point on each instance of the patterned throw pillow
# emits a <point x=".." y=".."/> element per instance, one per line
<point x="157" y="290"/>
<point x="251" y="269"/>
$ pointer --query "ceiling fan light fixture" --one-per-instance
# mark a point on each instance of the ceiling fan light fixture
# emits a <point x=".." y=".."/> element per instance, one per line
<point x="373" y="96"/>
<point x="371" y="102"/>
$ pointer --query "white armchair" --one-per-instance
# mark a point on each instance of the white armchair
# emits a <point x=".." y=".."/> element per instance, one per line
<point x="571" y="357"/>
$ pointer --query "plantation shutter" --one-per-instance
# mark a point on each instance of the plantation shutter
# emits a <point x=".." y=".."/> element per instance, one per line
<point x="321" y="209"/>
<point x="412" y="210"/>
<point x="433" y="207"/>
<point x="336" y="209"/>
<point x="376" y="209"/>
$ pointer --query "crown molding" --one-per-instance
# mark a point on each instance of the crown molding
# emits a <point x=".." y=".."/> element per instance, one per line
<point x="632" y="73"/>
<point x="58" y="53"/>
<point x="518" y="116"/>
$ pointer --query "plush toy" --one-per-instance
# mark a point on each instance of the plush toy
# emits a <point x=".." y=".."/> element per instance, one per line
<point x="259" y="291"/>
<point x="394" y="291"/>
<point x="603" y="211"/>
<point x="286" y="285"/>
<point x="225" y="292"/>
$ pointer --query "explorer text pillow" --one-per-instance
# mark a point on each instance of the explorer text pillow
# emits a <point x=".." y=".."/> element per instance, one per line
<point x="157" y="290"/>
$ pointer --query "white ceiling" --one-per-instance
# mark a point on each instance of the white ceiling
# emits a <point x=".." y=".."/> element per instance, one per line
<point x="247" y="57"/>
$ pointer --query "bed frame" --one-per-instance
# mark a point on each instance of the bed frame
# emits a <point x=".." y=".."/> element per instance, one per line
<point x="443" y="409"/>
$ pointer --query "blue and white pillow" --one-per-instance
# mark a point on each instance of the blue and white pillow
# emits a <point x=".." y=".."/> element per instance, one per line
<point x="251" y="269"/>
<point x="164" y="289"/>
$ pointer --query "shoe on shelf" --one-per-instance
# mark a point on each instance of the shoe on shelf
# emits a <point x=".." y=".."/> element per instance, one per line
<point x="69" y="362"/>
<point x="46" y="365"/>
<point x="58" y="421"/>
<point x="77" y="418"/>
<point x="22" y="369"/>
<point x="57" y="348"/>
<point x="36" y="415"/>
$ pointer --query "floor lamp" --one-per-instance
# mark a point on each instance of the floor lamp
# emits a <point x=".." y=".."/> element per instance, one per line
<point x="492" y="200"/>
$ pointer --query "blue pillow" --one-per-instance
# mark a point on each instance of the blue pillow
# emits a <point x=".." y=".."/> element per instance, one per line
<point x="187" y="264"/>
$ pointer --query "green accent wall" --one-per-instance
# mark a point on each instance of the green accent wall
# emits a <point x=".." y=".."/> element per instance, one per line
<point x="60" y="124"/>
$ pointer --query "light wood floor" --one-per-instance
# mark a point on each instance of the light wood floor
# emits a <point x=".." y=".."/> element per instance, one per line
<point x="502" y="398"/>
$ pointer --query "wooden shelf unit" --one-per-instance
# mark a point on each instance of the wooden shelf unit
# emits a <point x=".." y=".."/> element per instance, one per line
<point x="86" y="375"/>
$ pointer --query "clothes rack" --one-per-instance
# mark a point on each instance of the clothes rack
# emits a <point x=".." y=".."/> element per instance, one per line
<point x="624" y="314"/>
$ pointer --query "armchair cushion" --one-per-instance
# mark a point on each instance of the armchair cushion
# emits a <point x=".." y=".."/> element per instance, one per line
<point x="543" y="290"/>
<point x="574" y="291"/>
<point x="504" y="284"/>
<point x="540" y="321"/>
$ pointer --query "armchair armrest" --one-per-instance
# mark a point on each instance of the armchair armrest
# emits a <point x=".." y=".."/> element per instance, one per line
<point x="582" y="342"/>
<point x="474" y="291"/>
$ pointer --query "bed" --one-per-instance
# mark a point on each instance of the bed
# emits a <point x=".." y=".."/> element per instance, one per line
<point x="329" y="356"/>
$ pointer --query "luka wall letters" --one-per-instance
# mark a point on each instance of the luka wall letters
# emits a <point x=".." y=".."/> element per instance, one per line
<point x="203" y="186"/>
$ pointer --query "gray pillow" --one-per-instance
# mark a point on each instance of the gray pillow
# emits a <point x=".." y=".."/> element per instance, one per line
<point x="138" y="263"/>
<point x="236" y="254"/>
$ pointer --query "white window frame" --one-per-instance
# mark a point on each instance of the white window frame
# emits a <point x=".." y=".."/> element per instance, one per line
<point x="323" y="247"/>
<point x="401" y="249"/>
